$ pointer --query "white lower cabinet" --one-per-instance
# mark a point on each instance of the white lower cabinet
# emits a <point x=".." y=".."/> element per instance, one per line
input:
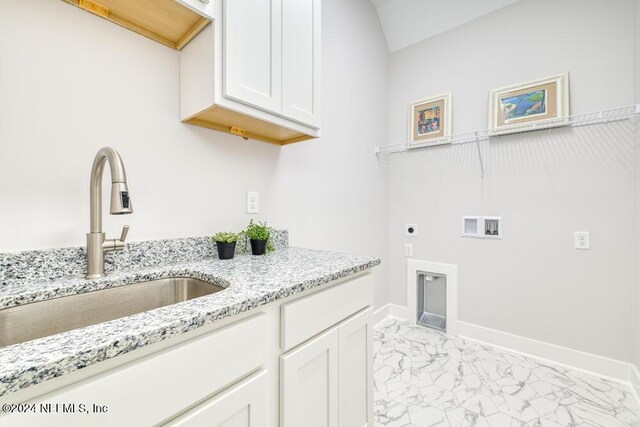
<point x="305" y="362"/>
<point x="327" y="381"/>
<point x="243" y="405"/>
<point x="309" y="383"/>
<point x="155" y="388"/>
<point x="355" y="356"/>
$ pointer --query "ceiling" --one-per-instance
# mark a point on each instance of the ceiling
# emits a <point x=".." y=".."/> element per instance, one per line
<point x="406" y="22"/>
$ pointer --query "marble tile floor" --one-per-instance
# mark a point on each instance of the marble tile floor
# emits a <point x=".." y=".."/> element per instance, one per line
<point x="427" y="378"/>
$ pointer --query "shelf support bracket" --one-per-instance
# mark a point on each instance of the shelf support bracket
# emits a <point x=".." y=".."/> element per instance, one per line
<point x="479" y="153"/>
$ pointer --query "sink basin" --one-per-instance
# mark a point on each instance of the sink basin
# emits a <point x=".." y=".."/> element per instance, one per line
<point x="44" y="318"/>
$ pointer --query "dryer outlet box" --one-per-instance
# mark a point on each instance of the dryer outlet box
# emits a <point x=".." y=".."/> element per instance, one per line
<point x="411" y="230"/>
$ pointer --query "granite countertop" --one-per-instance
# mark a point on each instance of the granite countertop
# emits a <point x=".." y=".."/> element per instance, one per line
<point x="250" y="282"/>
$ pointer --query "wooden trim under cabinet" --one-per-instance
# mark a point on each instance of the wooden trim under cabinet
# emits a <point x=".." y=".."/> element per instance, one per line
<point x="164" y="21"/>
<point x="222" y="119"/>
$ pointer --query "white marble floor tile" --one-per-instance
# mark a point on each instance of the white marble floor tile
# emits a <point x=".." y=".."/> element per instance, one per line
<point x="464" y="417"/>
<point x="427" y="378"/>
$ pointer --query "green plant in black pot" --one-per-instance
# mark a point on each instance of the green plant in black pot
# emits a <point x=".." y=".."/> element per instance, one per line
<point x="226" y="242"/>
<point x="258" y="234"/>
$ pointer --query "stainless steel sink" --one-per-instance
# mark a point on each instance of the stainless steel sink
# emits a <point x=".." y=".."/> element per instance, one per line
<point x="44" y="318"/>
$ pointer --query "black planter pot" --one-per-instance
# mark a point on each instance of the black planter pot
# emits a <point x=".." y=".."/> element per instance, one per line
<point x="258" y="247"/>
<point x="226" y="250"/>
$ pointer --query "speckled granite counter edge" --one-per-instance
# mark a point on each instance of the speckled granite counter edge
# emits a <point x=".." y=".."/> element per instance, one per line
<point x="46" y="265"/>
<point x="133" y="332"/>
<point x="32" y="276"/>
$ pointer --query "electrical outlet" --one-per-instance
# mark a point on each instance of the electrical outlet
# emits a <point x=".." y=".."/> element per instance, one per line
<point x="408" y="249"/>
<point x="582" y="240"/>
<point x="411" y="230"/>
<point x="253" y="202"/>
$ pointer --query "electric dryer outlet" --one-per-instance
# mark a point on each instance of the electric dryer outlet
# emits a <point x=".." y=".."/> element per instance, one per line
<point x="411" y="230"/>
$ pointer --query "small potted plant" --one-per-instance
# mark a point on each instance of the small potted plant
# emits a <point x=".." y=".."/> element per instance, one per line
<point x="226" y="242"/>
<point x="258" y="233"/>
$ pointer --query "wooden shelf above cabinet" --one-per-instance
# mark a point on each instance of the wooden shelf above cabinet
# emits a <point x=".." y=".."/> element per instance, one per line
<point x="225" y="120"/>
<point x="165" y="21"/>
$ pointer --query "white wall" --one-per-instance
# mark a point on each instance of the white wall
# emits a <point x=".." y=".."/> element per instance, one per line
<point x="406" y="22"/>
<point x="331" y="192"/>
<point x="636" y="299"/>
<point x="546" y="185"/>
<point x="71" y="83"/>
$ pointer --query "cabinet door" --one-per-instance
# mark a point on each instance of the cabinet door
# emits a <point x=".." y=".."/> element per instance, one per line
<point x="161" y="385"/>
<point x="309" y="383"/>
<point x="301" y="53"/>
<point x="243" y="405"/>
<point x="252" y="59"/>
<point x="356" y="370"/>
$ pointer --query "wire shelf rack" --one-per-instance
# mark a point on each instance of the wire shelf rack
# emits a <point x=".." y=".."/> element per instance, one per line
<point x="598" y="117"/>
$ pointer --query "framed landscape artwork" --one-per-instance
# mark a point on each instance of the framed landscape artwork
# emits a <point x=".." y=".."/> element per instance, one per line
<point x="430" y="120"/>
<point x="540" y="100"/>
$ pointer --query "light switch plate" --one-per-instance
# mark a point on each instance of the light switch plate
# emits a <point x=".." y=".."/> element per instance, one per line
<point x="253" y="202"/>
<point x="582" y="240"/>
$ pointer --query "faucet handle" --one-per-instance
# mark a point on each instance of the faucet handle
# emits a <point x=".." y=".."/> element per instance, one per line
<point x="116" y="244"/>
<point x="125" y="231"/>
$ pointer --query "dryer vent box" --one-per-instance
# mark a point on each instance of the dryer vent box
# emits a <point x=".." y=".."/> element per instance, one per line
<point x="432" y="300"/>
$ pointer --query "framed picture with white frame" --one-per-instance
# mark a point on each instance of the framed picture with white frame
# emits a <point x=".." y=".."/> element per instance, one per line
<point x="543" y="103"/>
<point x="430" y="120"/>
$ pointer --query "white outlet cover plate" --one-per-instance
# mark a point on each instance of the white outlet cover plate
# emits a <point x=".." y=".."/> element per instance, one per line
<point x="409" y="233"/>
<point x="582" y="240"/>
<point x="408" y="249"/>
<point x="253" y="202"/>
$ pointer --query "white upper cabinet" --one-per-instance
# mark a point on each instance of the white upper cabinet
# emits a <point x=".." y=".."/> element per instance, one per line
<point x="301" y="53"/>
<point x="201" y="7"/>
<point x="255" y="72"/>
<point x="247" y="67"/>
<point x="252" y="57"/>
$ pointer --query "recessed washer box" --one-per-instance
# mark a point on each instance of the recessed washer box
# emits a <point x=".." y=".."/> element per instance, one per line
<point x="482" y="227"/>
<point x="492" y="227"/>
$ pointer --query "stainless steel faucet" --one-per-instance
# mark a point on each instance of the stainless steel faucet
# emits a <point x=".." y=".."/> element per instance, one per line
<point x="97" y="244"/>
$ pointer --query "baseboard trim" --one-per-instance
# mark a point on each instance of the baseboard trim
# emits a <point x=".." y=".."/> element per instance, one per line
<point x="389" y="310"/>
<point x="611" y="369"/>
<point x="601" y="366"/>
<point x="634" y="379"/>
<point x="399" y="312"/>
<point x="381" y="314"/>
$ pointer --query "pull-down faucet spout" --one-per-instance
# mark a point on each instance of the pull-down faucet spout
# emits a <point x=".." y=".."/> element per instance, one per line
<point x="97" y="244"/>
